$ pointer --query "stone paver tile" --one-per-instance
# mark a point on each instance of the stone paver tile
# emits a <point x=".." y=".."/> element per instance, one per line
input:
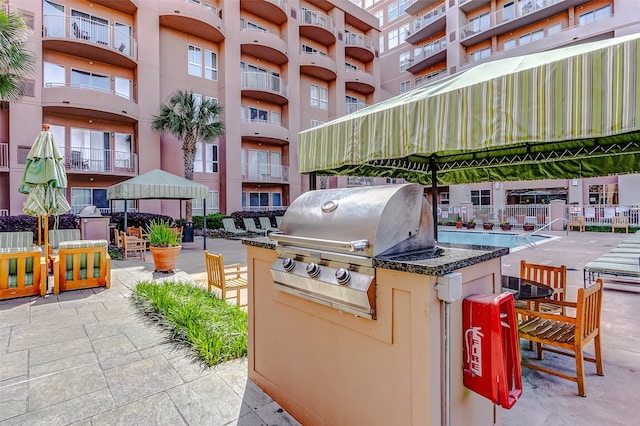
<point x="249" y="419"/>
<point x="119" y="360"/>
<point x="166" y="349"/>
<point x="5" y="333"/>
<point x="64" y="317"/>
<point x="234" y="374"/>
<point x="65" y="385"/>
<point x="112" y="346"/>
<point x="36" y="335"/>
<point x="62" y="364"/>
<point x="157" y="410"/>
<point x="67" y="412"/>
<point x="111" y="327"/>
<point x="13" y="399"/>
<point x="11" y="315"/>
<point x="141" y="378"/>
<point x="84" y="306"/>
<point x="85" y="422"/>
<point x="273" y="414"/>
<point x="53" y="352"/>
<point x="208" y="400"/>
<point x="189" y="368"/>
<point x="13" y="364"/>
<point x="147" y="337"/>
<point x="117" y="309"/>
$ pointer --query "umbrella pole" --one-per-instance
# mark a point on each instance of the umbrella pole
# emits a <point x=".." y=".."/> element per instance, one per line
<point x="39" y="230"/>
<point x="46" y="249"/>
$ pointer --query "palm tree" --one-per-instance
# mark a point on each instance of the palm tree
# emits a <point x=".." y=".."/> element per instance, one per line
<point x="190" y="120"/>
<point x="16" y="61"/>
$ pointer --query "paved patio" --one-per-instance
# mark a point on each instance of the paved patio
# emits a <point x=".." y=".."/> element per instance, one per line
<point x="87" y="358"/>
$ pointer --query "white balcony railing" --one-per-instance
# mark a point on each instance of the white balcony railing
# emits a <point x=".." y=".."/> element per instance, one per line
<point x="428" y="78"/>
<point x="355" y="106"/>
<point x="282" y="4"/>
<point x="101" y="161"/>
<point x="4" y="155"/>
<point x="273" y="173"/>
<point x="205" y="5"/>
<point x="358" y="40"/>
<point x="264" y="81"/>
<point x="429" y="17"/>
<point x="78" y="28"/>
<point x="310" y="17"/>
<point x="429" y="49"/>
<point x="88" y="87"/>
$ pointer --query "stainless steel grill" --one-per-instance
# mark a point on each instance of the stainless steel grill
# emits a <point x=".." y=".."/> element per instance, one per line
<point x="329" y="238"/>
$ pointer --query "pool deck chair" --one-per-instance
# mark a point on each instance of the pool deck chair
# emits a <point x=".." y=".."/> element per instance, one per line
<point x="230" y="228"/>
<point x="225" y="277"/>
<point x="265" y="223"/>
<point x="621" y="222"/>
<point x="250" y="224"/>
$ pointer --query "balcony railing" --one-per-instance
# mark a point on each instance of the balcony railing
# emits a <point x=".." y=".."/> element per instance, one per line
<point x="263" y="81"/>
<point x="271" y="173"/>
<point x="358" y="40"/>
<point x="78" y="28"/>
<point x="355" y="106"/>
<point x="205" y="5"/>
<point x="4" y="155"/>
<point x="282" y="4"/>
<point x="88" y="87"/>
<point x="429" y="17"/>
<point x="430" y="49"/>
<point x="107" y="161"/>
<point x="310" y="17"/>
<point x="429" y="77"/>
<point x="505" y="14"/>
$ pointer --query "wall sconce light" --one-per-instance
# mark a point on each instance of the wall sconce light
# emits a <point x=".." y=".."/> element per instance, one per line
<point x="496" y="185"/>
<point x="574" y="182"/>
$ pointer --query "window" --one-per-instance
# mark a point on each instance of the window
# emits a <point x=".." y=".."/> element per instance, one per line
<point x="123" y="87"/>
<point x="404" y="32"/>
<point x="213" y="204"/>
<point x="122" y="38"/>
<point x="312" y="50"/>
<point x="83" y="197"/>
<point x="253" y="27"/>
<point x="417" y="81"/>
<point x="393" y="38"/>
<point x="554" y="29"/>
<point x="444" y="198"/>
<point x="122" y="152"/>
<point x="381" y="43"/>
<point x="206" y="158"/>
<point x="59" y="136"/>
<point x="350" y="67"/>
<point x="319" y="97"/>
<point x="53" y="19"/>
<point x="508" y="11"/>
<point x="594" y="15"/>
<point x="210" y="65"/>
<point x="481" y="197"/>
<point x="392" y="11"/>
<point x="603" y="194"/>
<point x="380" y="15"/>
<point x="88" y="80"/>
<point x="259" y="200"/>
<point x="195" y="61"/>
<point x="510" y="44"/>
<point x="405" y="86"/>
<point x="403" y="5"/>
<point x="405" y="60"/>
<point x="479" y="23"/>
<point x="53" y="75"/>
<point x="532" y="36"/>
<point x="90" y="28"/>
<point x="315" y="123"/>
<point x="480" y="54"/>
<point x="90" y="150"/>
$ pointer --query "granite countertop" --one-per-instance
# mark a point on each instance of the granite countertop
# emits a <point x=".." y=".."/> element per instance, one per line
<point x="454" y="256"/>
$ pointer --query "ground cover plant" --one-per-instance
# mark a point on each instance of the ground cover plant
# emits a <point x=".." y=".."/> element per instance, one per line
<point x="214" y="330"/>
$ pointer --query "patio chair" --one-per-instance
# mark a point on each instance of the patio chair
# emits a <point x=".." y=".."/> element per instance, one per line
<point x="569" y="334"/>
<point x="18" y="239"/>
<point x="23" y="272"/>
<point x="225" y="277"/>
<point x="265" y="223"/>
<point x="133" y="247"/>
<point x="82" y="264"/>
<point x="279" y="221"/>
<point x="621" y="222"/>
<point x="178" y="230"/>
<point x="134" y="231"/>
<point x="57" y="236"/>
<point x="552" y="276"/>
<point x="250" y="225"/>
<point x="576" y="222"/>
<point x="230" y="228"/>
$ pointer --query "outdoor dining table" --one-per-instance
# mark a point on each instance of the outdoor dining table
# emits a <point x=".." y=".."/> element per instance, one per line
<point x="523" y="289"/>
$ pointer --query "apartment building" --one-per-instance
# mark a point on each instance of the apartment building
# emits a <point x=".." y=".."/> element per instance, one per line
<point x="104" y="67"/>
<point x="422" y="41"/>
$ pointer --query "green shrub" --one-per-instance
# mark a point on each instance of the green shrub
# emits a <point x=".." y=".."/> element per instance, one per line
<point x="214" y="221"/>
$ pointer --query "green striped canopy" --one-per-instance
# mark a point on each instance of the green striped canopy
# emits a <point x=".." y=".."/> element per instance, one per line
<point x="566" y="113"/>
<point x="157" y="184"/>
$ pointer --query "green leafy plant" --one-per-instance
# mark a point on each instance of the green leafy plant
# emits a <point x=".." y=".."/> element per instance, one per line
<point x="160" y="234"/>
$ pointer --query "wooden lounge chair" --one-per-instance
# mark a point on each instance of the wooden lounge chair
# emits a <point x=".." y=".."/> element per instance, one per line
<point x="57" y="236"/>
<point x="250" y="225"/>
<point x="230" y="228"/>
<point x="225" y="277"/>
<point x="621" y="222"/>
<point x="569" y="334"/>
<point x="576" y="222"/>
<point x="82" y="264"/>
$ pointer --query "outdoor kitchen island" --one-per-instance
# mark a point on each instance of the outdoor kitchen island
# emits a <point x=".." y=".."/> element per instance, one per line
<point x="328" y="367"/>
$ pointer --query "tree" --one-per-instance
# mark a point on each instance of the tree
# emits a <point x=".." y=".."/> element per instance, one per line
<point x="16" y="61"/>
<point x="191" y="120"/>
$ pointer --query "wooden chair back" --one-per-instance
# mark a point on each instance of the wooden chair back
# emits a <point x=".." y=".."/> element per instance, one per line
<point x="23" y="272"/>
<point x="223" y="277"/>
<point x="576" y="221"/>
<point x="178" y="230"/>
<point x="133" y="247"/>
<point x="570" y="334"/>
<point x="117" y="238"/>
<point x="134" y="231"/>
<point x="552" y="276"/>
<point x="621" y="222"/>
<point x="82" y="264"/>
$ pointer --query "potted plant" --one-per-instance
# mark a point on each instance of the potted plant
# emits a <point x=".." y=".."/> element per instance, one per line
<point x="528" y="226"/>
<point x="488" y="226"/>
<point x="164" y="244"/>
<point x="471" y="224"/>
<point x="505" y="226"/>
<point x="458" y="222"/>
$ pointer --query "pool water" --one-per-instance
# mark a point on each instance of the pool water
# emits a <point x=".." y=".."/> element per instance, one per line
<point x="494" y="239"/>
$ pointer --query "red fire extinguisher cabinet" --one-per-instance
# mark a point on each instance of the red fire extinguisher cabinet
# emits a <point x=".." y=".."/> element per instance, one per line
<point x="491" y="348"/>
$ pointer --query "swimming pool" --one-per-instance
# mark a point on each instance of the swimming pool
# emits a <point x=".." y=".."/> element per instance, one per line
<point x="494" y="239"/>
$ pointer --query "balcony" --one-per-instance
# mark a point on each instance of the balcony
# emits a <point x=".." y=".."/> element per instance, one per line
<point x="264" y="45"/>
<point x="359" y="46"/>
<point x="82" y="37"/>
<point x="359" y="81"/>
<point x="264" y="131"/>
<point x="419" y="5"/>
<point x="505" y="20"/>
<point x="318" y="27"/>
<point x="83" y="100"/>
<point x="430" y="24"/>
<point x="197" y="19"/>
<point x="4" y="157"/>
<point x="265" y="173"/>
<point x="469" y="5"/>
<point x="354" y="106"/>
<point x="318" y="65"/>
<point x="270" y="10"/>
<point x="264" y="87"/>
<point x="100" y="161"/>
<point x="431" y="54"/>
<point x="432" y="76"/>
<point x="128" y="7"/>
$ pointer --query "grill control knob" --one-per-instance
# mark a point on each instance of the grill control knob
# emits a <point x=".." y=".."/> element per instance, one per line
<point x="288" y="264"/>
<point x="342" y="276"/>
<point x="313" y="270"/>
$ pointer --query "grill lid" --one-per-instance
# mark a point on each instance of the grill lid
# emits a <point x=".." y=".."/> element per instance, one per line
<point x="370" y="221"/>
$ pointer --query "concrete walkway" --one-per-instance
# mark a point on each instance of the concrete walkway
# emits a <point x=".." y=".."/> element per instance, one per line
<point x="87" y="358"/>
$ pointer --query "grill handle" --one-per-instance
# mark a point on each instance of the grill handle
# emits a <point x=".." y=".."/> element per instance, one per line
<point x="350" y="246"/>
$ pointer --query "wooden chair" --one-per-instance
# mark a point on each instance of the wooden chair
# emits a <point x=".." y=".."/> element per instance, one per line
<point x="133" y="247"/>
<point x="23" y="272"/>
<point x="552" y="276"/>
<point x="570" y="334"/>
<point x="576" y="222"/>
<point x="621" y="222"/>
<point x="134" y="231"/>
<point x="225" y="277"/>
<point x="178" y="230"/>
<point x="82" y="264"/>
<point x="117" y="238"/>
<point x="57" y="236"/>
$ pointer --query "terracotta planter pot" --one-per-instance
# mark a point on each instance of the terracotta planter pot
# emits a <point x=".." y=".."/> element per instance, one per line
<point x="165" y="258"/>
<point x="471" y="225"/>
<point x="458" y="224"/>
<point x="528" y="227"/>
<point x="487" y="226"/>
<point x="506" y="227"/>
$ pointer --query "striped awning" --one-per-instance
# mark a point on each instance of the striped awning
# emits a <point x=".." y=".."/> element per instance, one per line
<point x="157" y="184"/>
<point x="566" y="113"/>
